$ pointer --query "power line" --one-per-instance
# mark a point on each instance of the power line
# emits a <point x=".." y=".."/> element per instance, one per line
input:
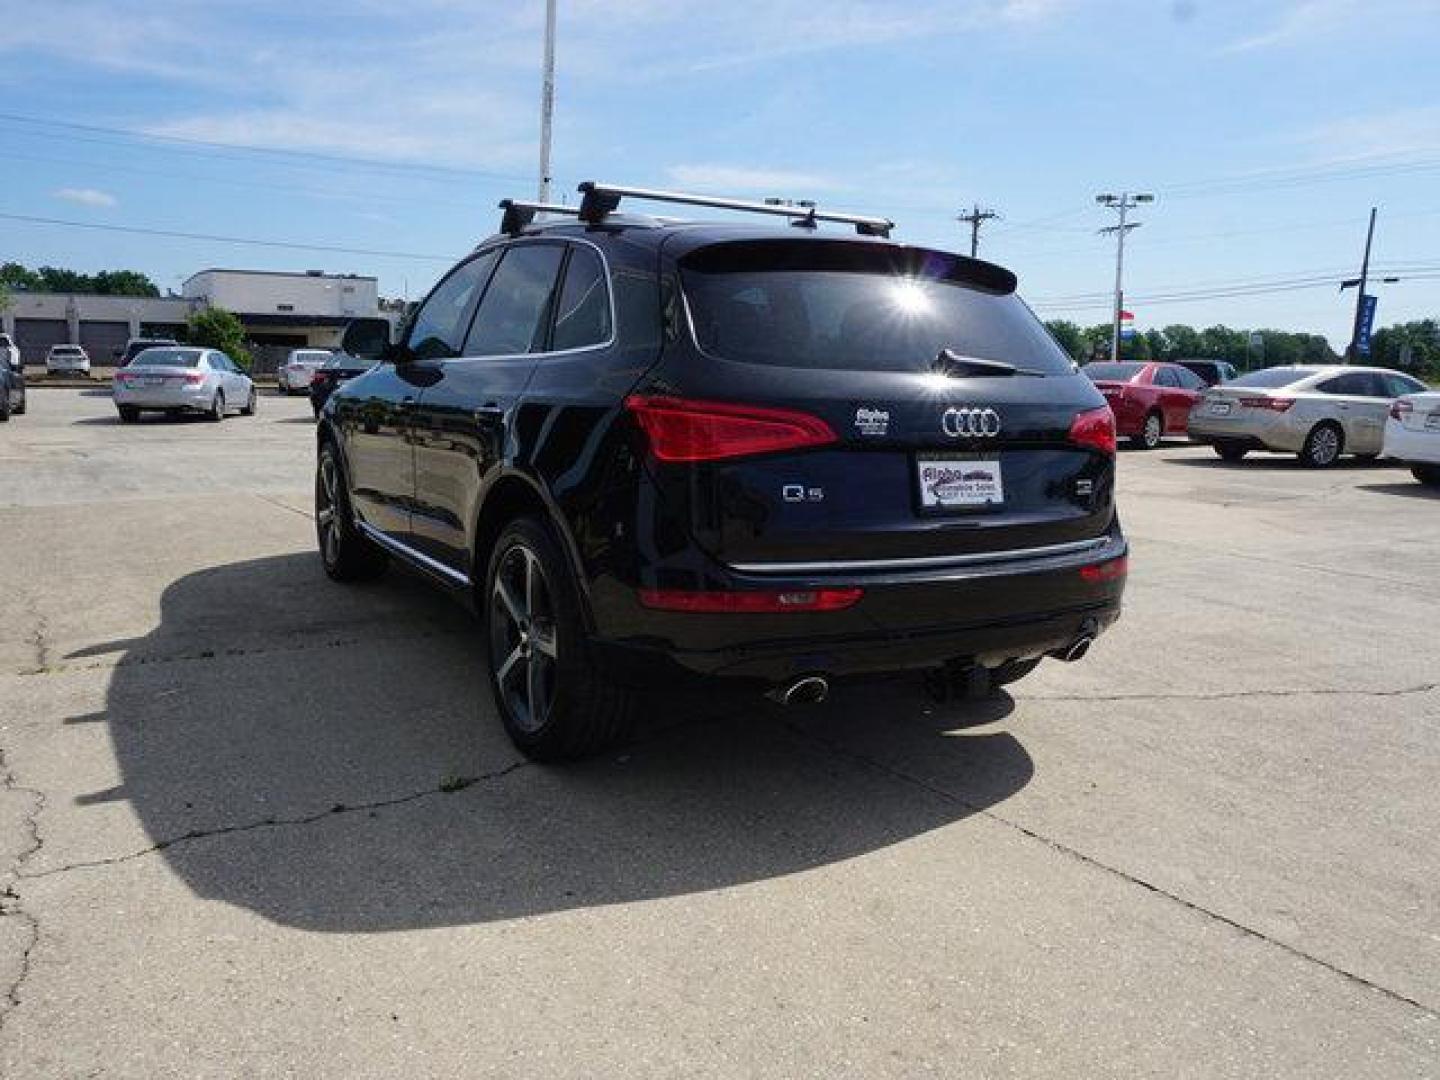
<point x="214" y="238"/>
<point x="267" y="151"/>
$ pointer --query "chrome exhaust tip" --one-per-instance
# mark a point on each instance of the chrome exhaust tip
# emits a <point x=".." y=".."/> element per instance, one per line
<point x="807" y="690"/>
<point x="1075" y="650"/>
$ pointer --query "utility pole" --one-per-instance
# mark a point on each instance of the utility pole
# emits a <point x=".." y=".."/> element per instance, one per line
<point x="547" y="101"/>
<point x="975" y="219"/>
<point x="1123" y="204"/>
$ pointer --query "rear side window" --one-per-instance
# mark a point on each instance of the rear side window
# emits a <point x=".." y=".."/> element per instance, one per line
<point x="1166" y="377"/>
<point x="856" y="306"/>
<point x="1396" y="384"/>
<point x="516" y="309"/>
<point x="1187" y="378"/>
<point x="582" y="316"/>
<point x="1272" y="378"/>
<point x="1353" y="384"/>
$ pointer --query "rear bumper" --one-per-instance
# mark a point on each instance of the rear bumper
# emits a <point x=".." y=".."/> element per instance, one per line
<point x="163" y="398"/>
<point x="1268" y="432"/>
<point x="904" y="621"/>
<point x="1412" y="446"/>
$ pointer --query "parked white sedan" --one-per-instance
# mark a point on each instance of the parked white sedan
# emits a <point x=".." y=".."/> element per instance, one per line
<point x="1412" y="435"/>
<point x="299" y="368"/>
<point x="178" y="380"/>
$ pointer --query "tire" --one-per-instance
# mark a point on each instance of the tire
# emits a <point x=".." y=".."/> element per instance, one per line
<point x="344" y="551"/>
<point x="128" y="414"/>
<point x="251" y="404"/>
<point x="1323" y="446"/>
<point x="4" y="405"/>
<point x="19" y="410"/>
<point x="1231" y="453"/>
<point x="553" y="698"/>
<point x="1429" y="475"/>
<point x="1151" y="432"/>
<point x="217" y="407"/>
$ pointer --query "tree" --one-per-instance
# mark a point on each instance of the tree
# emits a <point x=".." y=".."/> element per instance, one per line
<point x="19" y="278"/>
<point x="1069" y="337"/>
<point x="1412" y="347"/>
<point x="55" y="279"/>
<point x="216" y="328"/>
<point x="123" y="283"/>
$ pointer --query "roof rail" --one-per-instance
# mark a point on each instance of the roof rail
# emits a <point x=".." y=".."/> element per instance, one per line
<point x="602" y="199"/>
<point x="519" y="213"/>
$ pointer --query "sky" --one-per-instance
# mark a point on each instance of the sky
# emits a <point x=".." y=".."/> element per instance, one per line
<point x="378" y="137"/>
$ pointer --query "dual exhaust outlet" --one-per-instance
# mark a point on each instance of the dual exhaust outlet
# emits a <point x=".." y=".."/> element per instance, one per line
<point x="814" y="689"/>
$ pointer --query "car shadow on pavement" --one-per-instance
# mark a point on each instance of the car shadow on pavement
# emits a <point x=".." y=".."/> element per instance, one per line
<point x="1413" y="490"/>
<point x="328" y="757"/>
<point x="1286" y="462"/>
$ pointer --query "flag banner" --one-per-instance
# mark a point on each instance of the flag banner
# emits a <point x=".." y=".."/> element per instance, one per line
<point x="1367" y="323"/>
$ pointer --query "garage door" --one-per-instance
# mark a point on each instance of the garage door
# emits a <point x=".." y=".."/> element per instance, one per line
<point x="102" y="340"/>
<point x="35" y="336"/>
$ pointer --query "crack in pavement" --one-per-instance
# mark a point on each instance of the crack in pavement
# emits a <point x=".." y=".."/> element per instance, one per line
<point x="1232" y="695"/>
<point x="303" y="645"/>
<point x="445" y="787"/>
<point x="11" y="905"/>
<point x="306" y="514"/>
<point x="1089" y="860"/>
<point x="448" y="786"/>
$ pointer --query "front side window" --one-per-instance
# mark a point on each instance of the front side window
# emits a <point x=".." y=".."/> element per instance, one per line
<point x="439" y="326"/>
<point x="1397" y="384"/>
<point x="515" y="311"/>
<point x="582" y="317"/>
<point x="1187" y="379"/>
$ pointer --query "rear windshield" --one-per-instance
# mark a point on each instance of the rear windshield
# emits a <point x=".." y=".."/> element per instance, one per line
<point x="67" y="350"/>
<point x="839" y="305"/>
<point x="1269" y="378"/>
<point x="167" y="358"/>
<point x="1112" y="372"/>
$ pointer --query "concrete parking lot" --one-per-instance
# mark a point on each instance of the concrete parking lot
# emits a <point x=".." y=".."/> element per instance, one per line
<point x="257" y="824"/>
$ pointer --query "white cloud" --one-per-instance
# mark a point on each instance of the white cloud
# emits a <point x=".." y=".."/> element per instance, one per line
<point x="1304" y="20"/>
<point x="85" y="196"/>
<point x="726" y="178"/>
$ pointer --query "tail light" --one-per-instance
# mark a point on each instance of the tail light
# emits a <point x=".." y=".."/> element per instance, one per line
<point x="1094" y="428"/>
<point x="317" y="378"/>
<point x="1401" y="409"/>
<point x="1112" y="570"/>
<point x="750" y="601"/>
<point x="122" y="377"/>
<point x="194" y="380"/>
<point x="1273" y="404"/>
<point x="681" y="429"/>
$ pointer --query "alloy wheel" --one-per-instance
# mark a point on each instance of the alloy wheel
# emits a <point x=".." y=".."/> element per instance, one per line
<point x="1325" y="446"/>
<point x="1152" y="432"/>
<point x="327" y="516"/>
<point x="523" y="644"/>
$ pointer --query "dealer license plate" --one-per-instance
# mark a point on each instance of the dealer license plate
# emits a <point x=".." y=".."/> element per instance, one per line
<point x="949" y="482"/>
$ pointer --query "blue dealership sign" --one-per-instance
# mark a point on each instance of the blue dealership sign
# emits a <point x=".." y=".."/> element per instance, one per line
<point x="1367" y="323"/>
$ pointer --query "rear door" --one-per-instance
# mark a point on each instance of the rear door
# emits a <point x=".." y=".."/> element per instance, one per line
<point x="466" y="410"/>
<point x="931" y="458"/>
<point x="1349" y="398"/>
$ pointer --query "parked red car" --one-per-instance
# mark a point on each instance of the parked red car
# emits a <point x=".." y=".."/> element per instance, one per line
<point x="1149" y="401"/>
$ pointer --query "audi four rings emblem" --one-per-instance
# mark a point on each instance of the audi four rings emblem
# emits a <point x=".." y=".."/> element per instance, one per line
<point x="970" y="423"/>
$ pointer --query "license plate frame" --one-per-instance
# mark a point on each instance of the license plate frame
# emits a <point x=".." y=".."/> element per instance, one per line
<point x="1218" y="408"/>
<point x="950" y="483"/>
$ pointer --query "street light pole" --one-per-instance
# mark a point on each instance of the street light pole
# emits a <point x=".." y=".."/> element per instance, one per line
<point x="1352" y="354"/>
<point x="547" y="101"/>
<point x="1122" y="203"/>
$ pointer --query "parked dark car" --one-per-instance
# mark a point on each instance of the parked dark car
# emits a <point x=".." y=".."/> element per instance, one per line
<point x="1211" y="372"/>
<point x="650" y="450"/>
<point x="135" y="346"/>
<point x="340" y="368"/>
<point x="12" y="380"/>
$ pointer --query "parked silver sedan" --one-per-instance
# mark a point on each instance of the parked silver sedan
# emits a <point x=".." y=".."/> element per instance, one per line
<point x="1318" y="413"/>
<point x="179" y="380"/>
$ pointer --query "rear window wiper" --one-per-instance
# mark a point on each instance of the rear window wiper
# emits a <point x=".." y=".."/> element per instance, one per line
<point x="949" y="362"/>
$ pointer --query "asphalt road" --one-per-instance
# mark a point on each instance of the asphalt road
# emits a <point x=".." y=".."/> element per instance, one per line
<point x="257" y="824"/>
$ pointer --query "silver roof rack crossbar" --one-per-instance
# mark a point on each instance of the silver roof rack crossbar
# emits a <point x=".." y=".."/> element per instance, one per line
<point x="602" y="199"/>
<point x="519" y="213"/>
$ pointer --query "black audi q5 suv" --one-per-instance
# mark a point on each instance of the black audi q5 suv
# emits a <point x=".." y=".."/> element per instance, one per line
<point x="649" y="449"/>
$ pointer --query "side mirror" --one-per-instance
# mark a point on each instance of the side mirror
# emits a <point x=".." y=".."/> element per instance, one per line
<point x="368" y="339"/>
